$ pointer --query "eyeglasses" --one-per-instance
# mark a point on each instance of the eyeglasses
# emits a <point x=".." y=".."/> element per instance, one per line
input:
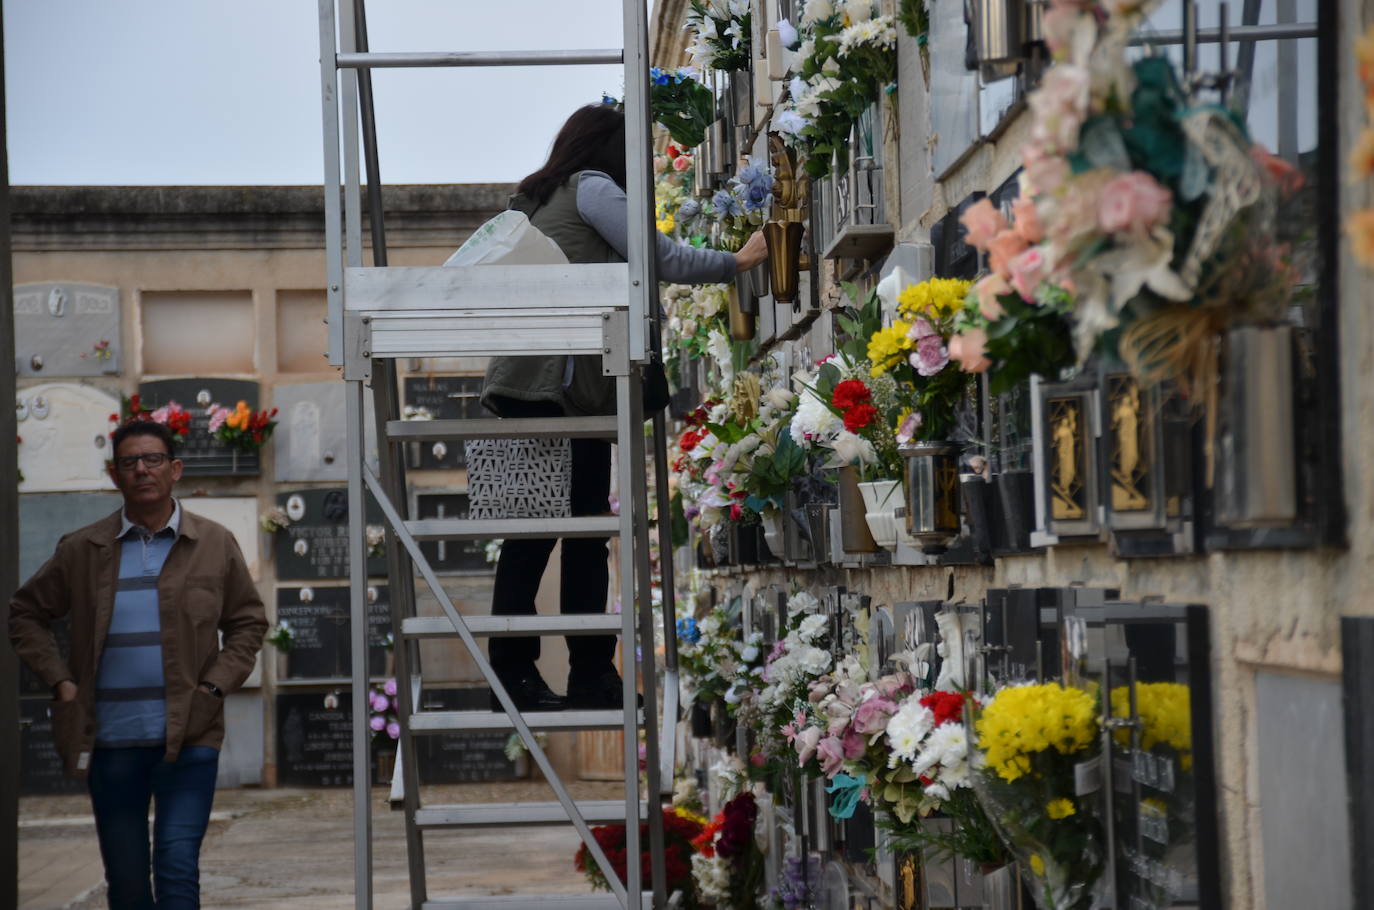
<point x="128" y="463"/>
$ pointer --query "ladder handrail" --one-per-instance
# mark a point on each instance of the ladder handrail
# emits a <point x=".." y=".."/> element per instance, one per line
<point x="430" y="59"/>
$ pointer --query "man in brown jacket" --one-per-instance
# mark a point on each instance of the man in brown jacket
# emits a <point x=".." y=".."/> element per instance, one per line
<point x="139" y="701"/>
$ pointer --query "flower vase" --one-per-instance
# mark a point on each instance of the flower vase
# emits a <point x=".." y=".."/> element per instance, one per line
<point x="773" y="533"/>
<point x="854" y="534"/>
<point x="931" y="476"/>
<point x="784" y="257"/>
<point x="881" y="499"/>
<point x="742" y="324"/>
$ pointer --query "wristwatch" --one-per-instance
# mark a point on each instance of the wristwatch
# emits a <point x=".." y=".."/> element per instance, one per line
<point x="214" y="689"/>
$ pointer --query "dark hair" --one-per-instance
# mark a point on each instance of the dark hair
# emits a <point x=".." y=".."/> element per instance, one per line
<point x="143" y="428"/>
<point x="592" y="139"/>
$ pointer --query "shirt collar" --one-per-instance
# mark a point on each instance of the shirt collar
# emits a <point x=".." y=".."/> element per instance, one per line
<point x="173" y="524"/>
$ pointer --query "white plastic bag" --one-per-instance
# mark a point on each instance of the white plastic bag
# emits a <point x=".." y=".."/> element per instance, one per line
<point x="508" y="239"/>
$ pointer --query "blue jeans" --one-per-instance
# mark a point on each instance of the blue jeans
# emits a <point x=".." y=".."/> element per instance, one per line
<point x="122" y="783"/>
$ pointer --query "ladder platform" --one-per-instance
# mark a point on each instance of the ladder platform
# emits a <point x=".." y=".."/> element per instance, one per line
<point x="508" y="528"/>
<point x="593" y="288"/>
<point x="502" y="428"/>
<point x="427" y="722"/>
<point x="594" y="812"/>
<point x="421" y="627"/>
<point x="597" y="901"/>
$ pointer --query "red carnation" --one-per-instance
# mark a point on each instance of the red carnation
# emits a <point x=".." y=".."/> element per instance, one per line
<point x="859" y="416"/>
<point x="946" y="706"/>
<point x="850" y="393"/>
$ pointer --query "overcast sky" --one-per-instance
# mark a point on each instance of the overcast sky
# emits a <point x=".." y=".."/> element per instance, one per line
<point x="213" y="92"/>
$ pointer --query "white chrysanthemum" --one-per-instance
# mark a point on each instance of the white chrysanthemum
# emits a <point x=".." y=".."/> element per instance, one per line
<point x="815" y="10"/>
<point x="712" y="877"/>
<point x="851" y="449"/>
<point x="803" y="602"/>
<point x="814" y="661"/>
<point x="907" y="728"/>
<point x="814" y="422"/>
<point x="811" y="627"/>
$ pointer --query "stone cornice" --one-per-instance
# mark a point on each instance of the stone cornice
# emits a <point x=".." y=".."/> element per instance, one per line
<point x="52" y="218"/>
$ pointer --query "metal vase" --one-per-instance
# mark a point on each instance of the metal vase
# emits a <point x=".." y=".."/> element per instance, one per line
<point x="743" y="325"/>
<point x="718" y="138"/>
<point x="931" y="473"/>
<point x="1256" y="448"/>
<point x="784" y="258"/>
<point x="854" y="534"/>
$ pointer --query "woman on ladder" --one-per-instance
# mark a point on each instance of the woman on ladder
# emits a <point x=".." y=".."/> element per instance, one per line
<point x="578" y="200"/>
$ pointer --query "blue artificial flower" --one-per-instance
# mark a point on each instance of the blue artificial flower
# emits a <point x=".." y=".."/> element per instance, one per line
<point x="688" y="210"/>
<point x="757" y="196"/>
<point x="750" y="172"/>
<point x="687" y="630"/>
<point x="727" y="204"/>
<point x="658" y="76"/>
<point x="607" y="99"/>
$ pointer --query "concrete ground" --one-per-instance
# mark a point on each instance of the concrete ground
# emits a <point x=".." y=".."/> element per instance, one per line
<point x="293" y="850"/>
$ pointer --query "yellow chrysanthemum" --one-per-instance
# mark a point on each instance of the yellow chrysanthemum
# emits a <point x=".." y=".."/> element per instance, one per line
<point x="666" y="224"/>
<point x="1037" y="864"/>
<point x="1165" y="715"/>
<point x="888" y="347"/>
<point x="689" y="815"/>
<point x="1023" y="721"/>
<point x="935" y="298"/>
<point x="1060" y="808"/>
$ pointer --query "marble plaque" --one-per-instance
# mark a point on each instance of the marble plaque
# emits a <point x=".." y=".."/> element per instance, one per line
<point x="237" y="513"/>
<point x="322" y="629"/>
<point x="315" y="544"/>
<point x="953" y="89"/>
<point x="63" y="428"/>
<point x="66" y="329"/>
<point x="445" y="398"/>
<point x="203" y="454"/>
<point x="45" y="517"/>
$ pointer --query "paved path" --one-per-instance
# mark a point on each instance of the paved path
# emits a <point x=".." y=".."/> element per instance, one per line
<point x="293" y="850"/>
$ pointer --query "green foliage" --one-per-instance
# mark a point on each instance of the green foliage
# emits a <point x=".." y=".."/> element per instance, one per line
<point x="914" y="18"/>
<point x="683" y="106"/>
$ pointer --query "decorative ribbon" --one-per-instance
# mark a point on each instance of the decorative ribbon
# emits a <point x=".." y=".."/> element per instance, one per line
<point x="846" y="790"/>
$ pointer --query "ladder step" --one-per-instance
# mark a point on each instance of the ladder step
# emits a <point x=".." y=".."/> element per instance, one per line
<point x="595" y="812"/>
<point x="599" y="901"/>
<point x="412" y="59"/>
<point x="426" y="722"/>
<point x="507" y="528"/>
<point x="498" y="626"/>
<point x="502" y="428"/>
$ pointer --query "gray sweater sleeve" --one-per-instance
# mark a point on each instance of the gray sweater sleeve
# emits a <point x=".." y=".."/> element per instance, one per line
<point x="603" y="205"/>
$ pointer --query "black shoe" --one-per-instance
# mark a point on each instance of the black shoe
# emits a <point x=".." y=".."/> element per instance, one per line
<point x="598" y="693"/>
<point x="530" y="693"/>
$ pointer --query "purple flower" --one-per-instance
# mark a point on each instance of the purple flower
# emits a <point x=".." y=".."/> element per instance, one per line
<point x="930" y="356"/>
<point x="393" y="730"/>
<point x="389" y="687"/>
<point x="907" y="431"/>
<point x="377" y="722"/>
<point x="379" y="702"/>
<point x="872" y="716"/>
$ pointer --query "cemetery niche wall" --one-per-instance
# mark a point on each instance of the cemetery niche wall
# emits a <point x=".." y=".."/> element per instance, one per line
<point x="311" y="536"/>
<point x="67" y="329"/>
<point x="63" y="437"/>
<point x="203" y="453"/>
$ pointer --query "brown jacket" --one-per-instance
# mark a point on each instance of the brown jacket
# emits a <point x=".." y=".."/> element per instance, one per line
<point x="204" y="589"/>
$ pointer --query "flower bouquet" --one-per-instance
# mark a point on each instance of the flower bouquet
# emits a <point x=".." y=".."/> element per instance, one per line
<point x="281" y="637"/>
<point x="682" y="105"/>
<point x="741" y="207"/>
<point x="680" y="828"/>
<point x="848" y="59"/>
<point x="728" y="865"/>
<point x="1041" y="770"/>
<point x="171" y="415"/>
<point x="241" y="428"/>
<point x="381" y="704"/>
<point x="721" y="34"/>
<point x="1154" y="214"/>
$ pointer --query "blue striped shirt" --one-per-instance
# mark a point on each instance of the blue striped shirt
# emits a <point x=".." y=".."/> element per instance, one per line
<point x="130" y="695"/>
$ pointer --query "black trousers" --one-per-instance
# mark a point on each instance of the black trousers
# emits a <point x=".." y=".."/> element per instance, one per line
<point x="585" y="573"/>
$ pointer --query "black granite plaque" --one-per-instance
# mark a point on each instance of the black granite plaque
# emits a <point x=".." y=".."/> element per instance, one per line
<point x="322" y="648"/>
<point x="315" y="739"/>
<point x="451" y="555"/>
<point x="203" y="454"/>
<point x="315" y="545"/>
<point x="462" y="757"/>
<point x="40" y="767"/>
<point x="446" y="398"/>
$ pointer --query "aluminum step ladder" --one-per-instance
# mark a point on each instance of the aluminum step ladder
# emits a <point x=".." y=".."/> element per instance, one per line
<point x="379" y="314"/>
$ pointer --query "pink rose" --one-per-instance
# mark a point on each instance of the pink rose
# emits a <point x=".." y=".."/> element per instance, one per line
<point x="854" y="746"/>
<point x="1007" y="246"/>
<point x="1133" y="203"/>
<point x="983" y="222"/>
<point x="681" y="163"/>
<point x="1027" y="271"/>
<point x="968" y="349"/>
<point x="660" y="164"/>
<point x="1027" y="220"/>
<point x="907" y="431"/>
<point x="830" y="751"/>
<point x="806" y="743"/>
<point x="1060" y="106"/>
<point x="989" y="288"/>
<point x="872" y="716"/>
<point x="898" y="683"/>
<point x="1075" y="208"/>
